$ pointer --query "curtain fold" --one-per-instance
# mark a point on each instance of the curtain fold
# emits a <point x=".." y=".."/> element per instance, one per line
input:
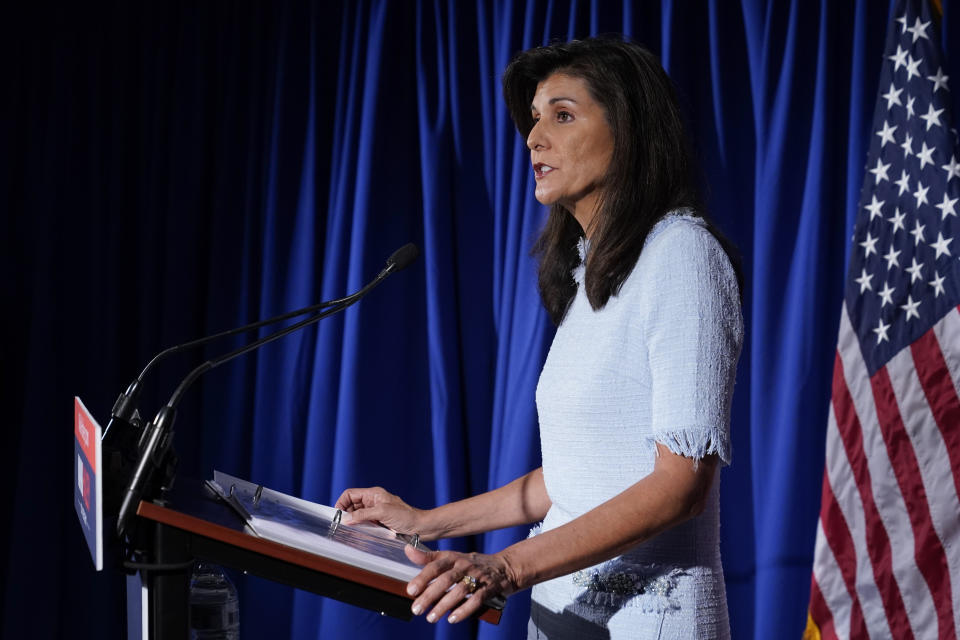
<point x="168" y="171"/>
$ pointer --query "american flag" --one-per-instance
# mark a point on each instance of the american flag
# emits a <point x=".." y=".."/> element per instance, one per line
<point x="887" y="556"/>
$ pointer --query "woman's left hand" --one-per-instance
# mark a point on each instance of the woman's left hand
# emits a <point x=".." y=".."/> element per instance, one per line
<point x="447" y="569"/>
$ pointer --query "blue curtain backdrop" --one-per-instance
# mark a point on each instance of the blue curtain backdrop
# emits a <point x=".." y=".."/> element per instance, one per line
<point x="170" y="170"/>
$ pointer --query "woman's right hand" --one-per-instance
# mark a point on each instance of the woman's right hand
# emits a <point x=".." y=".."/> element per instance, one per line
<point x="375" y="504"/>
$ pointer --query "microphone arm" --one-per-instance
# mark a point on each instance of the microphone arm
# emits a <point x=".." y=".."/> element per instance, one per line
<point x="159" y="435"/>
<point x="124" y="409"/>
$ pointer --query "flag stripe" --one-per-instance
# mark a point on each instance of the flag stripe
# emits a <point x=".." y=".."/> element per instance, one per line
<point x="878" y="544"/>
<point x="844" y="555"/>
<point x="890" y="503"/>
<point x="821" y="613"/>
<point x="928" y="551"/>
<point x="836" y="595"/>
<point x="948" y="335"/>
<point x="933" y="462"/>
<point x="941" y="396"/>
<point x="845" y="495"/>
<point x="841" y="543"/>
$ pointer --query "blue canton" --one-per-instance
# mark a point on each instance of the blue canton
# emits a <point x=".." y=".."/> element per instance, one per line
<point x="905" y="265"/>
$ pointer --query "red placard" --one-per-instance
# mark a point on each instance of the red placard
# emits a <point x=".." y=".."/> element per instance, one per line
<point x="85" y="431"/>
<point x="88" y="484"/>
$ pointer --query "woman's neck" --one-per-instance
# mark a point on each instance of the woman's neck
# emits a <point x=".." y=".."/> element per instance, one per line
<point x="584" y="211"/>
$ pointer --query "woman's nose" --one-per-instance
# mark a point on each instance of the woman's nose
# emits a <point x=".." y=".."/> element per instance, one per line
<point x="535" y="138"/>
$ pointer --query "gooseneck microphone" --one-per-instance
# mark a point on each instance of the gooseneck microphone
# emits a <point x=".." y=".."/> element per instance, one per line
<point x="400" y="259"/>
<point x="155" y="441"/>
<point x="124" y="409"/>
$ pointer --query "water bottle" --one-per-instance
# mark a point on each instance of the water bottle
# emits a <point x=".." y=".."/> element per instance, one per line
<point x="214" y="607"/>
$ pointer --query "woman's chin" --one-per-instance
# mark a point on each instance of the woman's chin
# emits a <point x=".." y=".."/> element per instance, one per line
<point x="544" y="199"/>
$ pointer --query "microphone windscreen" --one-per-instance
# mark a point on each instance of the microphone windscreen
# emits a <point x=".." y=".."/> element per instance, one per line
<point x="403" y="257"/>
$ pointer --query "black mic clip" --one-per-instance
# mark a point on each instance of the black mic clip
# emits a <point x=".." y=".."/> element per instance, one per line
<point x="155" y="454"/>
<point x="121" y="446"/>
<point x="125" y="408"/>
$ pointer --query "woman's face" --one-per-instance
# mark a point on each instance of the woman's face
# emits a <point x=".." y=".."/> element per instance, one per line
<point x="570" y="145"/>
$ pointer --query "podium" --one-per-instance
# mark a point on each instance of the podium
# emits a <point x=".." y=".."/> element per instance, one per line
<point x="192" y="524"/>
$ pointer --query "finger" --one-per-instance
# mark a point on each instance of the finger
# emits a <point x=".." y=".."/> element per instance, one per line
<point x="469" y="607"/>
<point x="437" y="590"/>
<point x="350" y="499"/>
<point x="418" y="556"/>
<point x="432" y="580"/>
<point x="343" y="501"/>
<point x="433" y="593"/>
<point x="361" y="515"/>
<point x="427" y="575"/>
<point x="450" y="599"/>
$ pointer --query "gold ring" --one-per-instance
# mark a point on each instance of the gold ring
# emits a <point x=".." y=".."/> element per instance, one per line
<point x="469" y="583"/>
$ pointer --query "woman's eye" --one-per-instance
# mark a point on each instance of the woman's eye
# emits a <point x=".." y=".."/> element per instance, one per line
<point x="564" y="116"/>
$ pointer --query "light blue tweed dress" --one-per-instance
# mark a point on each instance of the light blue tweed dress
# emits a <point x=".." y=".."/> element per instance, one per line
<point x="656" y="364"/>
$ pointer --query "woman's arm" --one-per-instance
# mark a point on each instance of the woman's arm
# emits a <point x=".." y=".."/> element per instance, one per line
<point x="522" y="501"/>
<point x="674" y="492"/>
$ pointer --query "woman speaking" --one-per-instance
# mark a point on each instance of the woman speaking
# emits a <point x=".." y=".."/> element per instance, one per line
<point x="634" y="396"/>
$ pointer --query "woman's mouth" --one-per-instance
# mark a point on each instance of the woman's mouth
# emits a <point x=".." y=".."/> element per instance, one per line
<point x="540" y="169"/>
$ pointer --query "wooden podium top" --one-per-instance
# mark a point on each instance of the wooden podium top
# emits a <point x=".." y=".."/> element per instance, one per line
<point x="193" y="509"/>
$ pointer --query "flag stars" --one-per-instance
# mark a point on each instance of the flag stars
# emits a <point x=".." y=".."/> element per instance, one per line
<point x="903" y="182"/>
<point x="919" y="30"/>
<point x="886" y="295"/>
<point x="907" y="146"/>
<point x="941" y="245"/>
<point x="937" y="284"/>
<point x="912" y="66"/>
<point x="917" y="233"/>
<point x="932" y="116"/>
<point x="914" y="270"/>
<point x="893" y="97"/>
<point x="870" y="245"/>
<point x="892" y="258"/>
<point x="899" y="59"/>
<point x="881" y="331"/>
<point x="905" y="265"/>
<point x="921" y="194"/>
<point x="947" y="208"/>
<point x="880" y="171"/>
<point x="897" y="220"/>
<point x="925" y="156"/>
<point x="939" y="82"/>
<point x="911" y="308"/>
<point x="952" y="169"/>
<point x="886" y="134"/>
<point x="875" y="207"/>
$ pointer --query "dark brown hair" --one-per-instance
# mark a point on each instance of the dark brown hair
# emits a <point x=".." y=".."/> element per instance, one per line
<point x="650" y="173"/>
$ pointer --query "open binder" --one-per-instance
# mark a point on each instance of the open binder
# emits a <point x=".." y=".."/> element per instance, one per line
<point x="239" y="524"/>
<point x="318" y="529"/>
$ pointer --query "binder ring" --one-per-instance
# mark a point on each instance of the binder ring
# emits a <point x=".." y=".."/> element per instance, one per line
<point x="336" y="521"/>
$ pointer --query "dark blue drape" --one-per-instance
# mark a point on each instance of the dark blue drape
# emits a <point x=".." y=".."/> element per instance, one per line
<point x="172" y="170"/>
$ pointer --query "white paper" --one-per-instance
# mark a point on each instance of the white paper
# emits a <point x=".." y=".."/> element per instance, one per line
<point x="310" y="527"/>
